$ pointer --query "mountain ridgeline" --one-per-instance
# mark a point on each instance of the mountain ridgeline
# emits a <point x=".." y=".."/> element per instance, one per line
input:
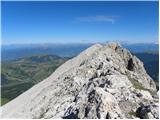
<point x="12" y="86"/>
<point x="104" y="81"/>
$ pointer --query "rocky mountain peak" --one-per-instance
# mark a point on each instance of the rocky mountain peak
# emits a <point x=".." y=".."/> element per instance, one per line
<point x="113" y="45"/>
<point x="104" y="81"/>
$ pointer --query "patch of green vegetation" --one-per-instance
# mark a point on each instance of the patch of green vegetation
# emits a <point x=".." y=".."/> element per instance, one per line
<point x="132" y="113"/>
<point x="136" y="84"/>
<point x="139" y="86"/>
<point x="11" y="91"/>
<point x="4" y="101"/>
<point x="20" y="75"/>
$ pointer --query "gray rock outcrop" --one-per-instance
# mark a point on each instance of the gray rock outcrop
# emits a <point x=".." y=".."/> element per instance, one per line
<point x="104" y="81"/>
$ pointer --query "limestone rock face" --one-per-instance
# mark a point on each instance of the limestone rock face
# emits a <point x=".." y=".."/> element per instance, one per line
<point x="104" y="81"/>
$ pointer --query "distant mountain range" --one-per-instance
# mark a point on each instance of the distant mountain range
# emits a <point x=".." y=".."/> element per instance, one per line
<point x="141" y="47"/>
<point x="12" y="52"/>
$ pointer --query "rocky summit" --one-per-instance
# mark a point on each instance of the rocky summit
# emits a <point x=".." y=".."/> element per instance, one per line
<point x="104" y="81"/>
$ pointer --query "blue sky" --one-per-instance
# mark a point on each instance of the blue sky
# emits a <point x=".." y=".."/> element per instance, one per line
<point x="79" y="22"/>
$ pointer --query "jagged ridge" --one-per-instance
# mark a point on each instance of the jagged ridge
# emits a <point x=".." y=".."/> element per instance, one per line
<point x="101" y="82"/>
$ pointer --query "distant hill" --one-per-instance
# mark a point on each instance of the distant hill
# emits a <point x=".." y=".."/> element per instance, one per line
<point x="19" y="75"/>
<point x="141" y="47"/>
<point x="40" y="58"/>
<point x="12" y="52"/>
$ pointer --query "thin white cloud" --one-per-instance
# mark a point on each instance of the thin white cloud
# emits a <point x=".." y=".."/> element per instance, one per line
<point x="97" y="18"/>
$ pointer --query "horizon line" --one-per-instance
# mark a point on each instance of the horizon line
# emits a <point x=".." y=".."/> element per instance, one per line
<point x="121" y="42"/>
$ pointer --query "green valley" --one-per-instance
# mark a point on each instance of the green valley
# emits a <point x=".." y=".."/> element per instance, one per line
<point x="19" y="75"/>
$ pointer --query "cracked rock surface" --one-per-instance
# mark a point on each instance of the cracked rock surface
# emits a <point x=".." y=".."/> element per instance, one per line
<point x="104" y="81"/>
